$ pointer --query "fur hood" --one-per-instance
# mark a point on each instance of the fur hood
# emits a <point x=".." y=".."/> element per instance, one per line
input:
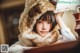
<point x="26" y="22"/>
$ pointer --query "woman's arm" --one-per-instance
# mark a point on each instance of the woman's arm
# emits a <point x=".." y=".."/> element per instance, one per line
<point x="19" y="48"/>
<point x="60" y="21"/>
<point x="65" y="31"/>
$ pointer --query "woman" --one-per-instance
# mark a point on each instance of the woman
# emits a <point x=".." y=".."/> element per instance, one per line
<point x="38" y="27"/>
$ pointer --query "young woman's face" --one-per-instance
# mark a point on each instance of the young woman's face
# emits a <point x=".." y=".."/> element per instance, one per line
<point x="43" y="27"/>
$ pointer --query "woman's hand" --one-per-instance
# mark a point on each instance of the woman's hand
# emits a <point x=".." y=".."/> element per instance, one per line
<point x="59" y="14"/>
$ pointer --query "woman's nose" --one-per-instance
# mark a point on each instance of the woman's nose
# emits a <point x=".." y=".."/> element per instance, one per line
<point x="44" y="26"/>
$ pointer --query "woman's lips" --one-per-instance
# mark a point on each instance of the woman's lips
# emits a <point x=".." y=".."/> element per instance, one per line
<point x="43" y="32"/>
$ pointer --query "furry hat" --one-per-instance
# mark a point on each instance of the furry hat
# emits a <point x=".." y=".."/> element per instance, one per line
<point x="27" y="21"/>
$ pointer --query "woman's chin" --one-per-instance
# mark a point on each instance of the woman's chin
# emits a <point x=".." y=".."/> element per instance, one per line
<point x="43" y="35"/>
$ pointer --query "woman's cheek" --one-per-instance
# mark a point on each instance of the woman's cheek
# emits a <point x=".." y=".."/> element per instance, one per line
<point x="49" y="26"/>
<point x="39" y="26"/>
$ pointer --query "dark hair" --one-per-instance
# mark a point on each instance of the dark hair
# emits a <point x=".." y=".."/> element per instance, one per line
<point x="48" y="16"/>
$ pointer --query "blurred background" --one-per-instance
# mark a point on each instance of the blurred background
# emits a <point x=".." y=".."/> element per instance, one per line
<point x="10" y="11"/>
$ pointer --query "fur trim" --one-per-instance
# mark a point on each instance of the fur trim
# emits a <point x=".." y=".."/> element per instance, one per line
<point x="28" y="39"/>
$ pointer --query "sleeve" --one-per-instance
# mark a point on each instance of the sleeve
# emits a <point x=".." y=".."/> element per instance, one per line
<point x="17" y="48"/>
<point x="67" y="35"/>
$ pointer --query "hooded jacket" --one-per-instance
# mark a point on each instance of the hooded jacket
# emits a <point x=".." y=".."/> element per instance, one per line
<point x="28" y="38"/>
<point x="27" y="23"/>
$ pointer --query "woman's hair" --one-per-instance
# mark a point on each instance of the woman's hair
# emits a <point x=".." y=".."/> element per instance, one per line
<point x="48" y="16"/>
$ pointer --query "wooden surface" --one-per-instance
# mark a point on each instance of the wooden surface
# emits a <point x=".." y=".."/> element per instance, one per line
<point x="77" y="17"/>
<point x="70" y="47"/>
